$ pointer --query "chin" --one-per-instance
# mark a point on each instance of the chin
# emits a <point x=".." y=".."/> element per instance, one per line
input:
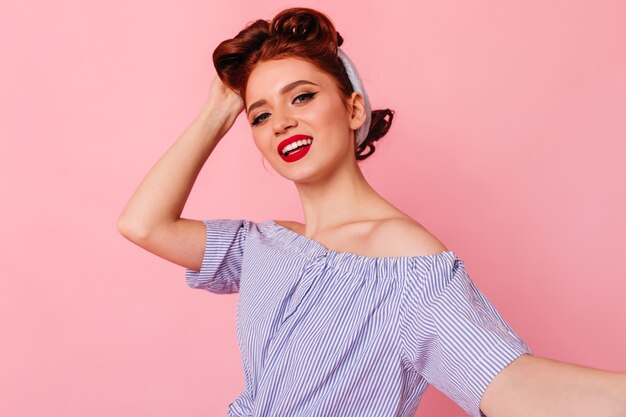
<point x="307" y="170"/>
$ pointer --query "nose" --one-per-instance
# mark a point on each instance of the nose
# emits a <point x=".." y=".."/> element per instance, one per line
<point x="282" y="120"/>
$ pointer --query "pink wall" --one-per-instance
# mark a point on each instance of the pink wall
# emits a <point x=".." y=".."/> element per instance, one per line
<point x="508" y="145"/>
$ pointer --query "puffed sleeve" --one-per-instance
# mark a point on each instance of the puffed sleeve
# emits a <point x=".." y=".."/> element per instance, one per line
<point x="451" y="334"/>
<point x="223" y="253"/>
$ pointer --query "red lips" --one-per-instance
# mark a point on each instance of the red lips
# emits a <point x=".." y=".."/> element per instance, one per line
<point x="294" y="156"/>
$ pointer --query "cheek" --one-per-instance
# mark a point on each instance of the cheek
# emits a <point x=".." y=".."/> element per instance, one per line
<point x="328" y="114"/>
<point x="261" y="141"/>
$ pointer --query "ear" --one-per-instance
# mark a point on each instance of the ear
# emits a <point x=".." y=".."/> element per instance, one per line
<point x="357" y="110"/>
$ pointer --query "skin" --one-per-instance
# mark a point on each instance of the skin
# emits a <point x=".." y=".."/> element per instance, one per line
<point x="342" y="211"/>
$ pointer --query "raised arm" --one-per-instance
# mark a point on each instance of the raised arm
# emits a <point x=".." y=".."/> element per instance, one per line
<point x="151" y="218"/>
<point x="540" y="387"/>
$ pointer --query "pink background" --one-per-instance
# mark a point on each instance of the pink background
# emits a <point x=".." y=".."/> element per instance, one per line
<point x="508" y="144"/>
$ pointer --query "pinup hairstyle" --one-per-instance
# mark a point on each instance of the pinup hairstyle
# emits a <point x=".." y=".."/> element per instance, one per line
<point x="296" y="32"/>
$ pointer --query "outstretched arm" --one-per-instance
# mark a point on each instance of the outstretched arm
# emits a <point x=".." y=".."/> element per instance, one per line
<point x="538" y="387"/>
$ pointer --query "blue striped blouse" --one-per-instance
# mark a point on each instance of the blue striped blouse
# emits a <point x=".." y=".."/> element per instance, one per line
<point x="326" y="333"/>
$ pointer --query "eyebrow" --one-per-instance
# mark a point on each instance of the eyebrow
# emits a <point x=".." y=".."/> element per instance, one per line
<point x="283" y="90"/>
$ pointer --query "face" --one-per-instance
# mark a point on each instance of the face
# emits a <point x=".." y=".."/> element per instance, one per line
<point x="290" y="98"/>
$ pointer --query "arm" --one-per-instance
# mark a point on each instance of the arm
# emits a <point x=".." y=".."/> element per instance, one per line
<point x="151" y="218"/>
<point x="534" y="386"/>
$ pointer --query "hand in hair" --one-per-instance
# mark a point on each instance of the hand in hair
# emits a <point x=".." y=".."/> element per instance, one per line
<point x="225" y="100"/>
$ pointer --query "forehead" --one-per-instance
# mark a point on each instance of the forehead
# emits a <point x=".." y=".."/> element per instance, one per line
<point x="268" y="77"/>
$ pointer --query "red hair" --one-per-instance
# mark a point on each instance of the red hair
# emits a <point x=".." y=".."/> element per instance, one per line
<point x="296" y="32"/>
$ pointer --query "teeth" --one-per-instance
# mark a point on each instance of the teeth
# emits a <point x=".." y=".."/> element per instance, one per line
<point x="295" y="144"/>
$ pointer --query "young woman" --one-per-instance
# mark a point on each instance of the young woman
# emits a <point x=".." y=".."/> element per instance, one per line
<point x="358" y="310"/>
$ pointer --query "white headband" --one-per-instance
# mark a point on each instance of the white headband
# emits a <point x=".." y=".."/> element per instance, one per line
<point x="357" y="84"/>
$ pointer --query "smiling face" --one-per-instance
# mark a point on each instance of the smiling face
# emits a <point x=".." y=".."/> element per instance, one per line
<point x="290" y="96"/>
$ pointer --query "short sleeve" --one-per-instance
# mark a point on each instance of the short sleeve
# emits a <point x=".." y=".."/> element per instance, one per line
<point x="223" y="254"/>
<point x="452" y="335"/>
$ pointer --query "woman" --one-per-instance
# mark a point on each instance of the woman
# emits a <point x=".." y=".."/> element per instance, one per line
<point x="358" y="310"/>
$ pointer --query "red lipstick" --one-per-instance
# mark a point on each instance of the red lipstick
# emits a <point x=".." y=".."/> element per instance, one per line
<point x="299" y="153"/>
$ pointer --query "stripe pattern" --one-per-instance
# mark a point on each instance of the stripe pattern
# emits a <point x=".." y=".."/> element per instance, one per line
<point x="326" y="333"/>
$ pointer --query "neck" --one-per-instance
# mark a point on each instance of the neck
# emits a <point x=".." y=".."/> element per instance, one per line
<point x="341" y="198"/>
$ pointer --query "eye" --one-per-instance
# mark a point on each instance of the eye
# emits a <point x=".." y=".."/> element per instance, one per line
<point x="258" y="119"/>
<point x="301" y="98"/>
<point x="306" y="96"/>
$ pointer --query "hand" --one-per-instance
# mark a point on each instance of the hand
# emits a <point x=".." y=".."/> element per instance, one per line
<point x="227" y="98"/>
<point x="223" y="105"/>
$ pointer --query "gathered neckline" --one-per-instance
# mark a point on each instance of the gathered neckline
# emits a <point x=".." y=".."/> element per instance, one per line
<point x="319" y="247"/>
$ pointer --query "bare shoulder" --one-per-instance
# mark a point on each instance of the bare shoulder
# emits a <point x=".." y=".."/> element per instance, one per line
<point x="292" y="225"/>
<point x="406" y="237"/>
<point x="392" y="237"/>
